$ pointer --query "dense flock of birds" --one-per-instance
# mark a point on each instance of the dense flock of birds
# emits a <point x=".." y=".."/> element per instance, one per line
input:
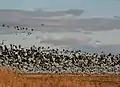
<point x="49" y="60"/>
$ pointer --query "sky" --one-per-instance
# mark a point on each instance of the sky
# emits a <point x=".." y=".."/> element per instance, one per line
<point x="91" y="7"/>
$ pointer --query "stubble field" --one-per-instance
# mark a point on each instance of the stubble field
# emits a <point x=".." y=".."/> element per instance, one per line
<point x="9" y="78"/>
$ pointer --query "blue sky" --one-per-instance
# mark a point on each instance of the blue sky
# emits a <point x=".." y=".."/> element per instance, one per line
<point x="91" y="7"/>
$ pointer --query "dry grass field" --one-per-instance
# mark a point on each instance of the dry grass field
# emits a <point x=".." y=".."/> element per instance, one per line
<point x="9" y="78"/>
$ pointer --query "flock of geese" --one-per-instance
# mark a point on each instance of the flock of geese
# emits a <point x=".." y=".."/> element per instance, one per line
<point x="19" y="28"/>
<point x="49" y="60"/>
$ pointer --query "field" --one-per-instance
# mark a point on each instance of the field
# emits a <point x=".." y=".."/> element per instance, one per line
<point x="9" y="78"/>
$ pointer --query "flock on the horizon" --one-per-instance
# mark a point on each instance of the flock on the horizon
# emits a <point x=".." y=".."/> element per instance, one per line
<point x="49" y="60"/>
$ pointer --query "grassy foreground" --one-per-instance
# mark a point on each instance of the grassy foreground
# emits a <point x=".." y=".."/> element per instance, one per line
<point x="9" y="78"/>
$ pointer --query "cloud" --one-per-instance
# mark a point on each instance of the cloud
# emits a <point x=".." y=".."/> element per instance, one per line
<point x="67" y="41"/>
<point x="73" y="24"/>
<point x="58" y="21"/>
<point x="40" y="12"/>
<point x="33" y="18"/>
<point x="16" y="15"/>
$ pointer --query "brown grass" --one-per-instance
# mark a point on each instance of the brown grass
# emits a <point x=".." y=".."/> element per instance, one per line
<point x="10" y="78"/>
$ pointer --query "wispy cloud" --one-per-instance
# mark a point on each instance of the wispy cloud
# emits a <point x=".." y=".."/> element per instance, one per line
<point x="9" y="15"/>
<point x="57" y="21"/>
<point x="42" y="13"/>
<point x="70" y="42"/>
